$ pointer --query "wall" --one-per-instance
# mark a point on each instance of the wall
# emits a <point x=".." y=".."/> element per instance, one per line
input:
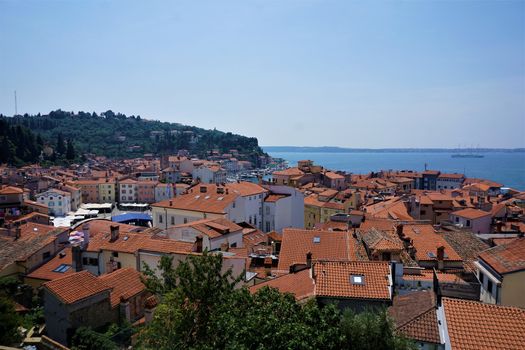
<point x="513" y="289"/>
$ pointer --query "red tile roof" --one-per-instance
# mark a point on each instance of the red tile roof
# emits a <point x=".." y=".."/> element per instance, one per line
<point x="472" y="325"/>
<point x="296" y="243"/>
<point x="334" y="279"/>
<point x="506" y="258"/>
<point x="208" y="202"/>
<point x="300" y="284"/>
<point x="125" y="283"/>
<point x="76" y="286"/>
<point x="471" y="213"/>
<point x="46" y="272"/>
<point x="426" y="240"/>
<point x="415" y="316"/>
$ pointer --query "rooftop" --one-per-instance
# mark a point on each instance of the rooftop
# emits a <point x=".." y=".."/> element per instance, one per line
<point x="506" y="258"/>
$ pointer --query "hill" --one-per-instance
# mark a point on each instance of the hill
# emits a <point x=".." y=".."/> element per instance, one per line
<point x="119" y="136"/>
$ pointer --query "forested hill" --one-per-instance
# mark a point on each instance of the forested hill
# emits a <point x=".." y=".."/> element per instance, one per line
<point x="117" y="135"/>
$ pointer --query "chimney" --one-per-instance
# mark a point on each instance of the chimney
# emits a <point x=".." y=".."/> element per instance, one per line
<point x="198" y="244"/>
<point x="149" y="308"/>
<point x="171" y="203"/>
<point x="18" y="232"/>
<point x="85" y="229"/>
<point x="441" y="257"/>
<point x="309" y="260"/>
<point x="114" y="232"/>
<point x="125" y="310"/>
<point x="399" y="230"/>
<point x="76" y="256"/>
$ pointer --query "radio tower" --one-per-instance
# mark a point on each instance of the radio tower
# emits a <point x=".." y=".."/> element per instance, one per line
<point x="16" y="105"/>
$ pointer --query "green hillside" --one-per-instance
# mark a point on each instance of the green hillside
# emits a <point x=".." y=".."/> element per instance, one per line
<point x="119" y="136"/>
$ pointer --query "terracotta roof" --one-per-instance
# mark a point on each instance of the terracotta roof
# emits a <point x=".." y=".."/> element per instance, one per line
<point x="208" y="202"/>
<point x="289" y="172"/>
<point x="296" y="243"/>
<point x="48" y="271"/>
<point x="300" y="284"/>
<point x="335" y="279"/>
<point x="415" y="316"/>
<point x="76" y="286"/>
<point x="471" y="213"/>
<point x="426" y="241"/>
<point x="125" y="283"/>
<point x="212" y="228"/>
<point x="333" y="176"/>
<point x="245" y="188"/>
<point x="11" y="190"/>
<point x="381" y="240"/>
<point x="451" y="176"/>
<point x="506" y="258"/>
<point x="275" y="197"/>
<point x="472" y="325"/>
<point x="467" y="245"/>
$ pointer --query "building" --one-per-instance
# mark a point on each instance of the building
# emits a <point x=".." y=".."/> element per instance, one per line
<point x="478" y="221"/>
<point x="355" y="285"/>
<point x="164" y="191"/>
<point x="215" y="233"/>
<point x="59" y="202"/>
<point x="82" y="299"/>
<point x="501" y="273"/>
<point x="449" y="181"/>
<point x="26" y="247"/>
<point x="209" y="174"/>
<point x="321" y="245"/>
<point x="128" y="191"/>
<point x="146" y="191"/>
<point x="283" y="207"/>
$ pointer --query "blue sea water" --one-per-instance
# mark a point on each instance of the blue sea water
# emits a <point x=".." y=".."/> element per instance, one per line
<point x="507" y="168"/>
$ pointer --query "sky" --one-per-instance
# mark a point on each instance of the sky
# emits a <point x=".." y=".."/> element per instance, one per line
<point x="361" y="74"/>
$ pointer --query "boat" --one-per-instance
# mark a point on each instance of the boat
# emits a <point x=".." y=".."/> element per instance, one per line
<point x="467" y="155"/>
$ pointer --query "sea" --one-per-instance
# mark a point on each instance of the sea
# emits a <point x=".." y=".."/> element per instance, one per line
<point x="507" y="168"/>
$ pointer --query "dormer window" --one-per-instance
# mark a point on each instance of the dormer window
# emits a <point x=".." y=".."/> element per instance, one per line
<point x="317" y="239"/>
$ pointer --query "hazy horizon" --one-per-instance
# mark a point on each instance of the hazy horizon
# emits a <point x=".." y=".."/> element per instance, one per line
<point x="352" y="74"/>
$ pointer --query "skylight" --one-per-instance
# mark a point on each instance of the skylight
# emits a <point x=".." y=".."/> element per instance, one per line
<point x="357" y="279"/>
<point x="431" y="255"/>
<point x="62" y="268"/>
<point x="317" y="239"/>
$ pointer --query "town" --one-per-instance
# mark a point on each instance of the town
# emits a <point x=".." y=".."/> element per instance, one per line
<point x="443" y="253"/>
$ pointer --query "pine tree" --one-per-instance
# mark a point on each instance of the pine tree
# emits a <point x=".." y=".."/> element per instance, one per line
<point x="70" y="153"/>
<point x="61" y="146"/>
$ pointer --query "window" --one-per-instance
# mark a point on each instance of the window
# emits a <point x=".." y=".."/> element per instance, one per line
<point x="185" y="220"/>
<point x="160" y="218"/>
<point x="115" y="254"/>
<point x="84" y="261"/>
<point x="357" y="279"/>
<point x="268" y="226"/>
<point x="233" y="205"/>
<point x="481" y="278"/>
<point x="173" y="220"/>
<point x="489" y="286"/>
<point x="317" y="239"/>
<point x="468" y="223"/>
<point x="233" y="245"/>
<point x="46" y="255"/>
<point x="62" y="268"/>
<point x="423" y="212"/>
<point x="457" y="219"/>
<point x="93" y="261"/>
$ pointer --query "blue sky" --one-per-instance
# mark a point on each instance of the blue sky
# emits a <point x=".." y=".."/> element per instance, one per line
<point x="341" y="73"/>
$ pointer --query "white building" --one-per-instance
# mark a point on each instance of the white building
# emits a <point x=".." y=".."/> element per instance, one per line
<point x="128" y="191"/>
<point x="209" y="174"/>
<point x="216" y="233"/>
<point x="283" y="207"/>
<point x="163" y="192"/>
<point x="59" y="202"/>
<point x="449" y="181"/>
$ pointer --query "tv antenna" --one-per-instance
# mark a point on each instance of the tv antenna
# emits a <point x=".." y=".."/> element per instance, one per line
<point x="16" y="105"/>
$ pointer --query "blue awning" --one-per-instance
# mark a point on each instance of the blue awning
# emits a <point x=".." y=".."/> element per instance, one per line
<point x="131" y="217"/>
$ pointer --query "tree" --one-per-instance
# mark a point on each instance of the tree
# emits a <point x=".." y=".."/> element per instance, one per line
<point x="70" y="153"/>
<point x="60" y="146"/>
<point x="9" y="321"/>
<point x="200" y="308"/>
<point x="87" y="339"/>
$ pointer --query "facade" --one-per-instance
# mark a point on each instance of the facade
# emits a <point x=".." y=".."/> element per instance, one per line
<point x="128" y="191"/>
<point x="107" y="191"/>
<point x="209" y="174"/>
<point x="146" y="191"/>
<point x="501" y="273"/>
<point x="164" y="192"/>
<point x="449" y="181"/>
<point x="59" y="202"/>
<point x="478" y="221"/>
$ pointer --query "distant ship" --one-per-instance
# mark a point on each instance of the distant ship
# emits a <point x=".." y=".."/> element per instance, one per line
<point x="467" y="155"/>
